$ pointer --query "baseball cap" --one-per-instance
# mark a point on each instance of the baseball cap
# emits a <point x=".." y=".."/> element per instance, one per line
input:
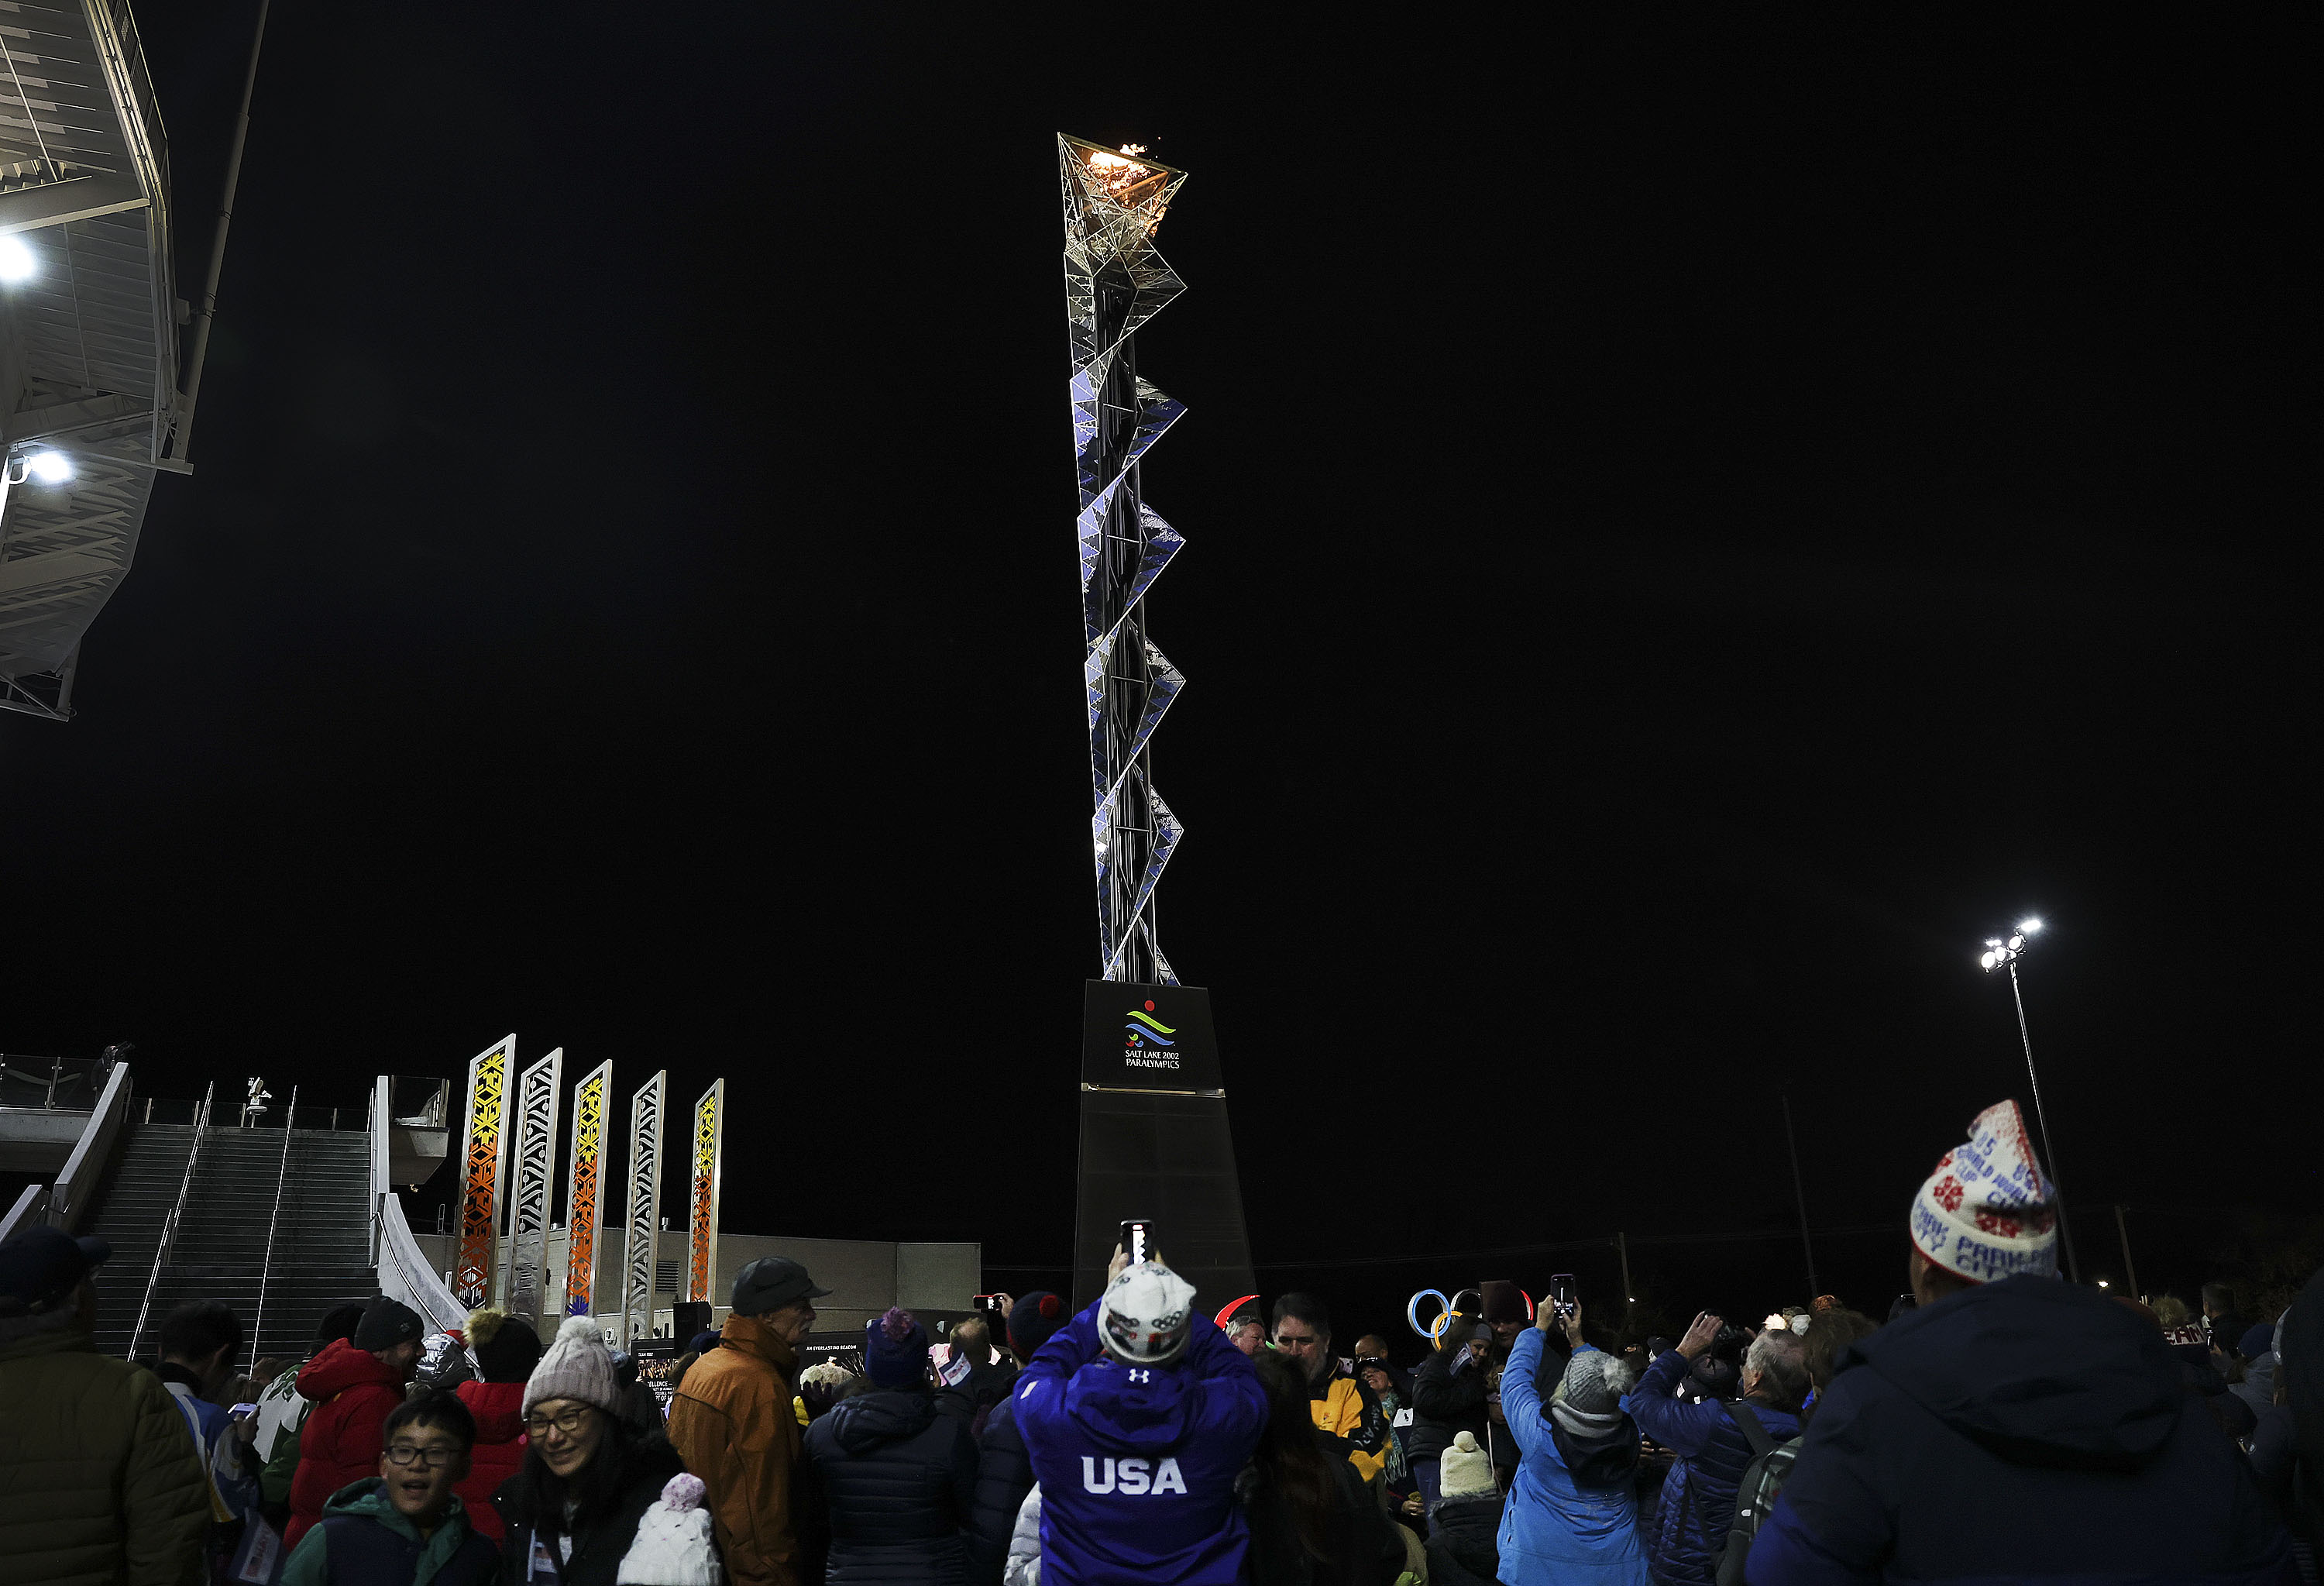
<point x="41" y="1265"/>
<point x="772" y="1281"/>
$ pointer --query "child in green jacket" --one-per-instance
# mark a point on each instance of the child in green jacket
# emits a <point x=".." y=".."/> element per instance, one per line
<point x="405" y="1527"/>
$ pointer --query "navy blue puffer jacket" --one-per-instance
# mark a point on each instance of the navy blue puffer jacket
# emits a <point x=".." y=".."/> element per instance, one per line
<point x="892" y="1481"/>
<point x="1698" y="1500"/>
<point x="1004" y="1475"/>
<point x="2025" y="1431"/>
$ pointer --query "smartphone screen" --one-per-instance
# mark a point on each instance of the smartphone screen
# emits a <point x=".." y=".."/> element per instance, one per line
<point x="1138" y="1239"/>
<point x="1560" y="1291"/>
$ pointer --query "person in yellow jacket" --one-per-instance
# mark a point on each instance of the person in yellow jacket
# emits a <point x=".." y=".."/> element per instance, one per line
<point x="100" y="1484"/>
<point x="1338" y="1400"/>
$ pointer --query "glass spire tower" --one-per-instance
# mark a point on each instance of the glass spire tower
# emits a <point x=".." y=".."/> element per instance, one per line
<point x="1116" y="280"/>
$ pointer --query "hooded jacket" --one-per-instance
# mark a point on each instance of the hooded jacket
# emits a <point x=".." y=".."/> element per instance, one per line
<point x="1698" y="1496"/>
<point x="734" y="1425"/>
<point x="894" y="1481"/>
<point x="353" y="1395"/>
<point x="99" y="1483"/>
<point x="498" y="1408"/>
<point x="363" y="1541"/>
<point x="2022" y="1430"/>
<point x="1573" y="1513"/>
<point x="1137" y="1464"/>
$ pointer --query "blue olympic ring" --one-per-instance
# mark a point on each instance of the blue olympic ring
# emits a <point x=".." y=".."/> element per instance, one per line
<point x="1412" y="1313"/>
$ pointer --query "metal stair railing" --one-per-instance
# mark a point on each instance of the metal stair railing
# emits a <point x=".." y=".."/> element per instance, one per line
<point x="169" y="1223"/>
<point x="266" y="1262"/>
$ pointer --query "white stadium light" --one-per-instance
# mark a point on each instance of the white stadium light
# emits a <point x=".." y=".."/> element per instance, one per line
<point x="2000" y="954"/>
<point x="49" y="467"/>
<point x="16" y="260"/>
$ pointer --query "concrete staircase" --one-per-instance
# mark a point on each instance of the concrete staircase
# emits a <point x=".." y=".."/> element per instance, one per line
<point x="322" y="1234"/>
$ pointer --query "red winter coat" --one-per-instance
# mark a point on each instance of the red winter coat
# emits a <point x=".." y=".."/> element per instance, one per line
<point x="353" y="1395"/>
<point x="498" y="1410"/>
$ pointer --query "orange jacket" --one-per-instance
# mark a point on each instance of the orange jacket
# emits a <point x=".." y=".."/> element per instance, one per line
<point x="733" y="1423"/>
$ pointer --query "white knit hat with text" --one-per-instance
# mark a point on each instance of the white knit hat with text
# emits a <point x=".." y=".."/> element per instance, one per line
<point x="1143" y="1317"/>
<point x="1986" y="1213"/>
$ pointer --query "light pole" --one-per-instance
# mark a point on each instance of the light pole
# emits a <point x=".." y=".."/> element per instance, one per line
<point x="2002" y="952"/>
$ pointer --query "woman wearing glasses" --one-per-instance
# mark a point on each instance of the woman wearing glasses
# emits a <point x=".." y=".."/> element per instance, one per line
<point x="595" y="1502"/>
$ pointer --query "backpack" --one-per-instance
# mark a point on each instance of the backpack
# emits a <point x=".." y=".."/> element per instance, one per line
<point x="1755" y="1495"/>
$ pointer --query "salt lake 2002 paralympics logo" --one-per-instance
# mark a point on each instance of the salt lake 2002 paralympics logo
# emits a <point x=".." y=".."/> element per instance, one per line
<point x="1150" y="1040"/>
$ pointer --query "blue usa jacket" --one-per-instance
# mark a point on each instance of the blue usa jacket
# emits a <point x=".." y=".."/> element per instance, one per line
<point x="1697" y="1501"/>
<point x="2028" y="1430"/>
<point x="1554" y="1528"/>
<point x="1137" y="1465"/>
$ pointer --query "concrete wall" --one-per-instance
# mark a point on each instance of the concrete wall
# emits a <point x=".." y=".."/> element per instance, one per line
<point x="865" y="1276"/>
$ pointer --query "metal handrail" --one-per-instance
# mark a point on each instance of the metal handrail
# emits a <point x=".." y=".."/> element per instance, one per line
<point x="169" y="1223"/>
<point x="266" y="1264"/>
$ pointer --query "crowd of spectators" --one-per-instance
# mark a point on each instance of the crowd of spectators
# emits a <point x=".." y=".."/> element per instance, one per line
<point x="2000" y="1426"/>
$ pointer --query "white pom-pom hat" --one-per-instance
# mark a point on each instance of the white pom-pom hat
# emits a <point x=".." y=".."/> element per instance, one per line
<point x="576" y="1366"/>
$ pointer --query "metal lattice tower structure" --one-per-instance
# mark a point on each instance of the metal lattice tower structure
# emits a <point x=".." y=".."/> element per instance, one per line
<point x="1116" y="280"/>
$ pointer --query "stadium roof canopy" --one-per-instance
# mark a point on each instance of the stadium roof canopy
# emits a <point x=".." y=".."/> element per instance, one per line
<point x="89" y="329"/>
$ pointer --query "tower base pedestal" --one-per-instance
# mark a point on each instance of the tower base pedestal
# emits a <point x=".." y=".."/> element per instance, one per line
<point x="1169" y="1159"/>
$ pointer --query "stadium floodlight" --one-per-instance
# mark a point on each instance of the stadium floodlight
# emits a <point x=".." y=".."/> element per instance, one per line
<point x="16" y="260"/>
<point x="49" y="467"/>
<point x="2001" y="952"/>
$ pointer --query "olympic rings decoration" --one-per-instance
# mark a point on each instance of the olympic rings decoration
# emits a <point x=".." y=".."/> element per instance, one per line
<point x="1412" y="1313"/>
<point x="1231" y="1307"/>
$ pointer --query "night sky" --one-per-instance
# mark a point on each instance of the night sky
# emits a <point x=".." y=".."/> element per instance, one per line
<point x="1691" y="529"/>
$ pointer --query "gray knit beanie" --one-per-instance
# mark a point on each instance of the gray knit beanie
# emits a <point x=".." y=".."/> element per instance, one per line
<point x="576" y="1366"/>
<point x="1589" y="1399"/>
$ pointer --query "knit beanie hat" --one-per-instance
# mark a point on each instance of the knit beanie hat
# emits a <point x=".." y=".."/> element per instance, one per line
<point x="339" y="1321"/>
<point x="1464" y="1469"/>
<point x="1986" y="1213"/>
<point x="1143" y="1315"/>
<point x="1031" y="1321"/>
<point x="895" y="1350"/>
<point x="672" y="1545"/>
<point x="1505" y="1302"/>
<point x="507" y="1348"/>
<point x="578" y="1365"/>
<point x="385" y="1324"/>
<point x="1589" y="1400"/>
